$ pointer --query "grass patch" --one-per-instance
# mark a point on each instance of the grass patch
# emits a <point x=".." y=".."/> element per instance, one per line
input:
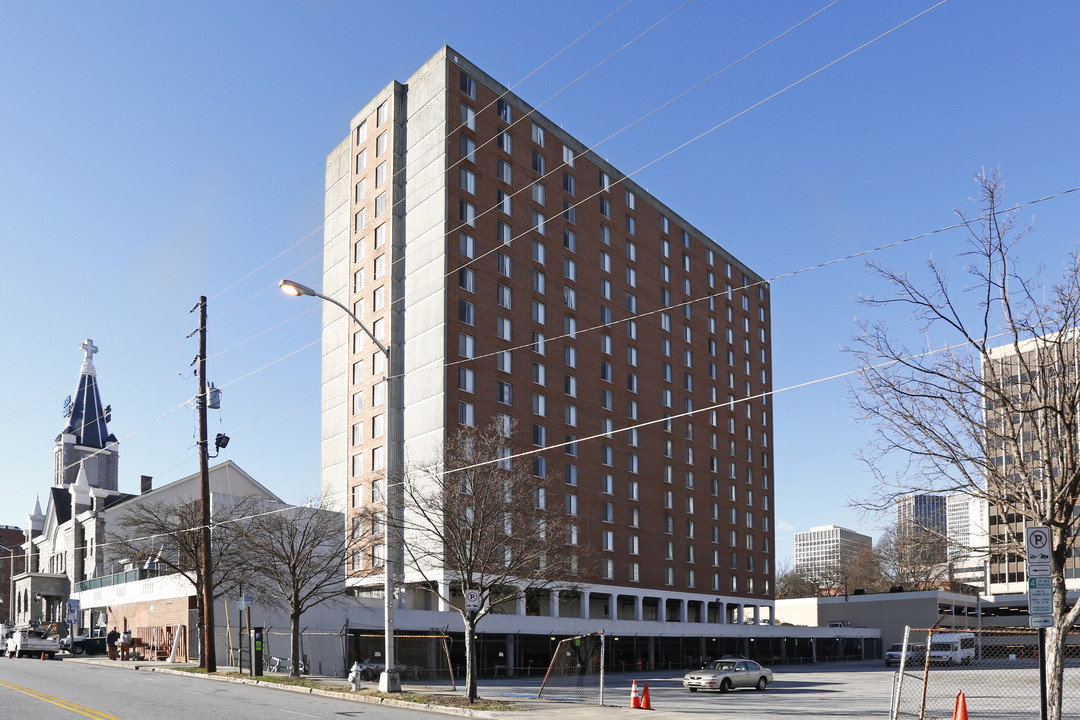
<point x="444" y="699"/>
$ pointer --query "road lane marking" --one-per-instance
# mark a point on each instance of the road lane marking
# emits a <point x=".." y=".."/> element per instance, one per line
<point x="299" y="713"/>
<point x="84" y="711"/>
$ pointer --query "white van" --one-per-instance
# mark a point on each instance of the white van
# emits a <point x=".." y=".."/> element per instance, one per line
<point x="952" y="648"/>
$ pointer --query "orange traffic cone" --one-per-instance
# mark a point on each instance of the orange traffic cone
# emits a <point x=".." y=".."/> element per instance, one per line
<point x="635" y="697"/>
<point x="960" y="711"/>
<point x="645" y="704"/>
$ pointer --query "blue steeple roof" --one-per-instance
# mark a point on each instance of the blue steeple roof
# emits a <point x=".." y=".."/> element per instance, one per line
<point x="88" y="417"/>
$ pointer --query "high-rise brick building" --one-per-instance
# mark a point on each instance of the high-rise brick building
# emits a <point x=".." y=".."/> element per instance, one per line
<point x="516" y="275"/>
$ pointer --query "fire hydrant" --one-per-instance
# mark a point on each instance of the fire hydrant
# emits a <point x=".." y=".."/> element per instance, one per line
<point x="354" y="676"/>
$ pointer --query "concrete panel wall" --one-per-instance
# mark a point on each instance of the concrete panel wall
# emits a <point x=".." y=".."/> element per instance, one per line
<point x="335" y="338"/>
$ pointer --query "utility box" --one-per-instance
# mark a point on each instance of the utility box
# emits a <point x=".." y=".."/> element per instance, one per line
<point x="256" y="653"/>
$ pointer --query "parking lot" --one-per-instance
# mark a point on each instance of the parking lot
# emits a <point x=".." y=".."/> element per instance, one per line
<point x="854" y="689"/>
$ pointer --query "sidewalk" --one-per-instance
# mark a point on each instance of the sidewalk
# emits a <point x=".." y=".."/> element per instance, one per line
<point x="537" y="709"/>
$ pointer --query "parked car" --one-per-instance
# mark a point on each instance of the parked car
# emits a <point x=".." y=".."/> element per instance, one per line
<point x="80" y="644"/>
<point x="916" y="652"/>
<point x="724" y="675"/>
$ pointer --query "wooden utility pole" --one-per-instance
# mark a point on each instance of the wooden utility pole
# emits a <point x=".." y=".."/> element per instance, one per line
<point x="209" y="656"/>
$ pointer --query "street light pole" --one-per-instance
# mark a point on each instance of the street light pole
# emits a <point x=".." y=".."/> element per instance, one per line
<point x="389" y="681"/>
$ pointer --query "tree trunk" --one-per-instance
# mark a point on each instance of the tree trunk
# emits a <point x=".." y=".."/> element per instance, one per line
<point x="294" y="640"/>
<point x="202" y="632"/>
<point x="470" y="657"/>
<point x="1054" y="672"/>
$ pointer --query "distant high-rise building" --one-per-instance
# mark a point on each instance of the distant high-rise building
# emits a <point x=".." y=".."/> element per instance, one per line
<point x="826" y="551"/>
<point x="1036" y="372"/>
<point x="922" y="522"/>
<point x="520" y="279"/>
<point x="966" y="527"/>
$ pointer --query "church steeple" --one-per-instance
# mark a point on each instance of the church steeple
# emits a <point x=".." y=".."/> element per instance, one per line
<point x="86" y="441"/>
<point x="87" y="417"/>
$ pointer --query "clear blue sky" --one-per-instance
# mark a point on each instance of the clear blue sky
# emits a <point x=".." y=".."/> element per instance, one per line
<point x="154" y="152"/>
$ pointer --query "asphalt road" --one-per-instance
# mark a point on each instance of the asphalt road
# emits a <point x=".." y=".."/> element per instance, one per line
<point x="59" y="690"/>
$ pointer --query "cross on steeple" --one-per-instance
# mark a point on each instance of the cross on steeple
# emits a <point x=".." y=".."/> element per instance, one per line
<point x="88" y="362"/>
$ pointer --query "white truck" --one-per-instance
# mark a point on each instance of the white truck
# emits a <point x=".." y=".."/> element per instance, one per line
<point x="33" y="640"/>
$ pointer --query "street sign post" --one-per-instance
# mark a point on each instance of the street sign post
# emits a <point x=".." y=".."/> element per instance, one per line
<point x="1037" y="544"/>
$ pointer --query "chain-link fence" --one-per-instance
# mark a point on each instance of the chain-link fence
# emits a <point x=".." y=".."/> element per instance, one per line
<point x="322" y="653"/>
<point x="997" y="670"/>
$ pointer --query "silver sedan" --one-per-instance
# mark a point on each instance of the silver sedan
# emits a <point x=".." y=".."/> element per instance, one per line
<point x="723" y="675"/>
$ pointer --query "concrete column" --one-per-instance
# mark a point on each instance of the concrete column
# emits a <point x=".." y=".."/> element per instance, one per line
<point x="554" y="603"/>
<point x="684" y="611"/>
<point x="638" y="608"/>
<point x="444" y="592"/>
<point x="586" y="599"/>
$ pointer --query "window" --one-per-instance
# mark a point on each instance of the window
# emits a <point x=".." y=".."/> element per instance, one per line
<point x="466" y="345"/>
<point x="380" y="204"/>
<point x="538" y="251"/>
<point x="504" y="233"/>
<point x="605" y="288"/>
<point x="502" y="201"/>
<point x="380" y="236"/>
<point x="631" y="225"/>
<point x="466" y="414"/>
<point x="538" y="135"/>
<point x="468" y="117"/>
<point x="504" y="361"/>
<point x="468" y="180"/>
<point x="538" y="282"/>
<point x="538" y="222"/>
<point x="361" y="132"/>
<point x="539" y="312"/>
<point x="502" y="296"/>
<point x="361" y="190"/>
<point x="468" y="149"/>
<point x="571" y="504"/>
<point x="467" y="314"/>
<point x="504" y="392"/>
<point x="539" y="405"/>
<point x="503" y="171"/>
<point x="502" y="328"/>
<point x="361" y="161"/>
<point x="359" y="220"/>
<point x="466" y="279"/>
<point x="381" y="143"/>
<point x="607" y="540"/>
<point x="570" y="297"/>
<point x="570" y="356"/>
<point x="539" y="373"/>
<point x="467" y="245"/>
<point x="568" y="183"/>
<point x="466" y="212"/>
<point x="504" y="110"/>
<point x="538" y="163"/>
<point x="605" y="181"/>
<point x="539" y="194"/>
<point x="605" y="207"/>
<point x="468" y="85"/>
<point x="539" y="435"/>
<point x="568" y="156"/>
<point x="504" y="264"/>
<point x="502" y="139"/>
<point x="569" y="212"/>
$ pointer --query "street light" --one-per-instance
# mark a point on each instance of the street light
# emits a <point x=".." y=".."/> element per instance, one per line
<point x="389" y="680"/>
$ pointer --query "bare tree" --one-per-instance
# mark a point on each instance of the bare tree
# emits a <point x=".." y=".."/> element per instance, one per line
<point x="296" y="558"/>
<point x="994" y="412"/>
<point x="791" y="583"/>
<point x="911" y="559"/>
<point x="168" y="534"/>
<point x="479" y="521"/>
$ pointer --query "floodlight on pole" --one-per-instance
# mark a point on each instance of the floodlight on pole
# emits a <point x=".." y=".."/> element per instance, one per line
<point x="389" y="681"/>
